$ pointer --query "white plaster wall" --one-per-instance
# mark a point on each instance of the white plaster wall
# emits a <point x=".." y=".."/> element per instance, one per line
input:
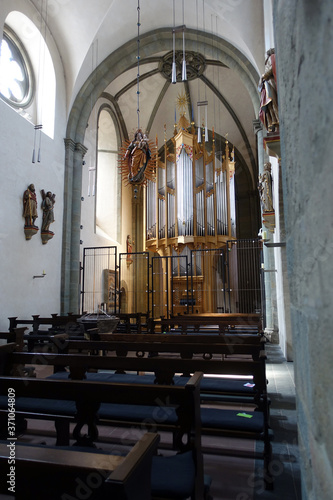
<point x="20" y="294"/>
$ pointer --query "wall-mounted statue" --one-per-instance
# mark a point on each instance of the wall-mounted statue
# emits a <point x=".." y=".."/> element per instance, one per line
<point x="48" y="215"/>
<point x="30" y="213"/>
<point x="129" y="249"/>
<point x="265" y="188"/>
<point x="269" y="113"/>
<point x="265" y="192"/>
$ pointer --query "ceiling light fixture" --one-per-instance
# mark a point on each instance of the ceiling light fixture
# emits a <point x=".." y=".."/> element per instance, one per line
<point x="184" y="75"/>
<point x="174" y="71"/>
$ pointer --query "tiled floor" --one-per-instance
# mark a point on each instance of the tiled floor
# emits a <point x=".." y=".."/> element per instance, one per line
<point x="236" y="478"/>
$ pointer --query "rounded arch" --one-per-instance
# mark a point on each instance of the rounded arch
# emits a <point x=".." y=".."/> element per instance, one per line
<point x="151" y="43"/>
<point x="108" y="178"/>
<point x="114" y="65"/>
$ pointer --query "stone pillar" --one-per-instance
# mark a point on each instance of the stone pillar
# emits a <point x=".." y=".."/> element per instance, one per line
<point x="70" y="293"/>
<point x="268" y="273"/>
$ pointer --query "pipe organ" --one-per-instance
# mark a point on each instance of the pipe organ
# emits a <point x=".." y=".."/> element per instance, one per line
<point x="190" y="203"/>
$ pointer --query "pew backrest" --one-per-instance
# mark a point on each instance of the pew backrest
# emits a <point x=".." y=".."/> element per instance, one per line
<point x="44" y="470"/>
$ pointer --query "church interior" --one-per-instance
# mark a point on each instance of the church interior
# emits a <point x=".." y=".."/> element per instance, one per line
<point x="167" y="249"/>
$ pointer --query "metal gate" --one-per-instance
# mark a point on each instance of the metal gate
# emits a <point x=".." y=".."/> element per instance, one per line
<point x="208" y="281"/>
<point x="244" y="283"/>
<point x="170" y="286"/>
<point x="99" y="279"/>
<point x="205" y="280"/>
<point x="134" y="283"/>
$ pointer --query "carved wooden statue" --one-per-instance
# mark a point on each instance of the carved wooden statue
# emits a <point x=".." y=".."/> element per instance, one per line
<point x="48" y="215"/>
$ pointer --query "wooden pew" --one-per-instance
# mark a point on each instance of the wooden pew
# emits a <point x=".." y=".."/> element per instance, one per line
<point x="17" y="336"/>
<point x="164" y="369"/>
<point x="67" y="324"/>
<point x="185" y="345"/>
<point x="47" y="472"/>
<point x="161" y="407"/>
<point x="195" y="322"/>
<point x="215" y="421"/>
<point x="215" y="346"/>
<point x="132" y="322"/>
<point x="37" y="321"/>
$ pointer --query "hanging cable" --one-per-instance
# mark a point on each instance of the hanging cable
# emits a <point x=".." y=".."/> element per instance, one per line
<point x="199" y="120"/>
<point x="174" y="71"/>
<point x="206" y="108"/>
<point x="41" y="83"/>
<point x="138" y="59"/>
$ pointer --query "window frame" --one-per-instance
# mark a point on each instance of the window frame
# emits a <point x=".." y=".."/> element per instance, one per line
<point x="22" y="57"/>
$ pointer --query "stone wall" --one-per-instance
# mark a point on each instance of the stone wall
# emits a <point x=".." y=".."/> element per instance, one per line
<point x="304" y="48"/>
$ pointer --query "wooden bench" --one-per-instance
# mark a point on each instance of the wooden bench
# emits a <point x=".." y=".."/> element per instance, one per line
<point x="180" y="406"/>
<point x="215" y="421"/>
<point x="16" y="336"/>
<point x="217" y="347"/>
<point x="48" y="472"/>
<point x="195" y="322"/>
<point x="184" y="344"/>
<point x="56" y="324"/>
<point x="132" y="322"/>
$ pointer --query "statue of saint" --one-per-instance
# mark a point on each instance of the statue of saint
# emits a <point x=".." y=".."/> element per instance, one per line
<point x="265" y="188"/>
<point x="30" y="206"/>
<point x="269" y="113"/>
<point x="129" y="259"/>
<point x="138" y="155"/>
<point x="47" y="207"/>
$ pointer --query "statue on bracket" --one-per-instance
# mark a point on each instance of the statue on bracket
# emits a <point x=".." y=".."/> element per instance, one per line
<point x="269" y="113"/>
<point x="129" y="245"/>
<point x="266" y="197"/>
<point x="30" y="213"/>
<point x="48" y="215"/>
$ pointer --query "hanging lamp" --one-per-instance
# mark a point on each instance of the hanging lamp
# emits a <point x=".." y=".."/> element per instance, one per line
<point x="184" y="74"/>
<point x="174" y="70"/>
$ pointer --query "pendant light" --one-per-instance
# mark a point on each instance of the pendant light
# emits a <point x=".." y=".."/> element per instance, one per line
<point x="174" y="71"/>
<point x="184" y="74"/>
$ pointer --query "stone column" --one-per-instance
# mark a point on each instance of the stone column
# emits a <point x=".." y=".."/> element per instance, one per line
<point x="70" y="293"/>
<point x="268" y="274"/>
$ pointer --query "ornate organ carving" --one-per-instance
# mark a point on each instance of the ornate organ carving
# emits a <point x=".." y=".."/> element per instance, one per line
<point x="191" y="201"/>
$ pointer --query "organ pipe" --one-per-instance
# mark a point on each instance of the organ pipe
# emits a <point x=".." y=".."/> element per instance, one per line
<point x="191" y="200"/>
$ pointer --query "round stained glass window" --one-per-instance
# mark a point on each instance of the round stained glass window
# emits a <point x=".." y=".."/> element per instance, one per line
<point x="15" y="81"/>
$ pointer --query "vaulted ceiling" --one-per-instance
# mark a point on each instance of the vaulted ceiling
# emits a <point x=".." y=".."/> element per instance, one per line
<point x="98" y="43"/>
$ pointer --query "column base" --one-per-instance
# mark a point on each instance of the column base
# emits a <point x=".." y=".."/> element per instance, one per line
<point x="272" y="335"/>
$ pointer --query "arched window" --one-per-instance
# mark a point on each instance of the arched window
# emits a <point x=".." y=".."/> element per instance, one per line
<point x="16" y="76"/>
<point x="27" y="75"/>
<point x="108" y="185"/>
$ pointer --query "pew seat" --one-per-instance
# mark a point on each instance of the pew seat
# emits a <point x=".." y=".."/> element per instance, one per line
<point x="212" y="389"/>
<point x="171" y="476"/>
<point x="87" y="400"/>
<point x="214" y="421"/>
<point x="59" y="473"/>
